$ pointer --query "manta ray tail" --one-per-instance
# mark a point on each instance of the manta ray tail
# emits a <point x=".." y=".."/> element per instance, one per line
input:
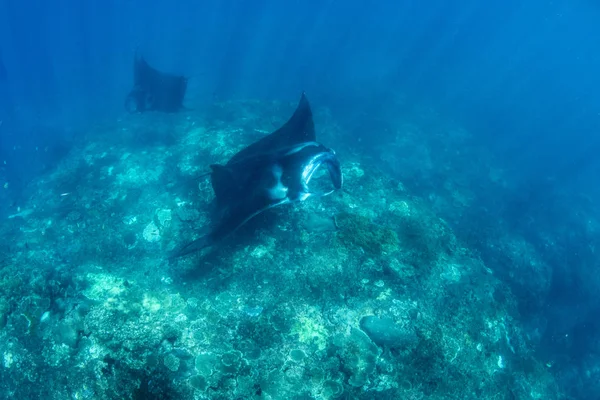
<point x="192" y="247"/>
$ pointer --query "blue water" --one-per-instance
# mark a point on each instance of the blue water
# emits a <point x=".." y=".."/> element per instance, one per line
<point x="521" y="77"/>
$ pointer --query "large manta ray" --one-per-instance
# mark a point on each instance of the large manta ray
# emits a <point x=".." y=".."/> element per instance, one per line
<point x="154" y="90"/>
<point x="273" y="171"/>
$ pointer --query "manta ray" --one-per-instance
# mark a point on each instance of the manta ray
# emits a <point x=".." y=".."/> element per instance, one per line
<point x="278" y="169"/>
<point x="154" y="90"/>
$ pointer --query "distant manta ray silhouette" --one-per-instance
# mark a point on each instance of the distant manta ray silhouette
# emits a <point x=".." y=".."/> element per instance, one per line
<point x="154" y="90"/>
<point x="273" y="171"/>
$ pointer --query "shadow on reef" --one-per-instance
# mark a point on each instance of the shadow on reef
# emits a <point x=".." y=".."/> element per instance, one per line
<point x="154" y="386"/>
<point x="246" y="235"/>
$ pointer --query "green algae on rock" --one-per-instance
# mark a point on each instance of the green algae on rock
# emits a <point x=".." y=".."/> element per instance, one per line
<point x="357" y="231"/>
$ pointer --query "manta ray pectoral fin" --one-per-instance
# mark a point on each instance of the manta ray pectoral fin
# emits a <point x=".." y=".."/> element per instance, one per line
<point x="223" y="181"/>
<point x="300" y="128"/>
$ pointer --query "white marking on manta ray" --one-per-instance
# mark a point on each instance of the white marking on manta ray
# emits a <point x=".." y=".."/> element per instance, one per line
<point x="310" y="167"/>
<point x="300" y="147"/>
<point x="313" y="164"/>
<point x="279" y="191"/>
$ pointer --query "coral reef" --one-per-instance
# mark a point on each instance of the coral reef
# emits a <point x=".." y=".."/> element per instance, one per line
<point x="364" y="294"/>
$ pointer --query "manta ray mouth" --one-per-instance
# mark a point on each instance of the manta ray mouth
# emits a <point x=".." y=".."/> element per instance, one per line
<point x="314" y="178"/>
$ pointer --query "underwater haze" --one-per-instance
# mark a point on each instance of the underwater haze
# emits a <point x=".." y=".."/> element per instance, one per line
<point x="166" y="231"/>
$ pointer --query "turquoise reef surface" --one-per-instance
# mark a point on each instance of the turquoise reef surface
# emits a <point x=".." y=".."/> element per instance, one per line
<point x="365" y="294"/>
